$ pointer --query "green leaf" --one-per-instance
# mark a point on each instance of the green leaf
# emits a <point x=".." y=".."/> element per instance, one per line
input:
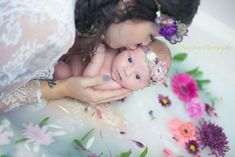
<point x="196" y="73"/>
<point x="203" y="81"/>
<point x="43" y="122"/>
<point x="21" y="140"/>
<point x="101" y="154"/>
<point x="126" y="154"/>
<point x="180" y="57"/>
<point x="87" y="134"/>
<point x="144" y="153"/>
<point x="78" y="143"/>
<point x="3" y="156"/>
<point x="200" y="83"/>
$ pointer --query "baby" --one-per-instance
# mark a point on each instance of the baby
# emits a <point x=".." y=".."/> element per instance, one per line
<point x="131" y="69"/>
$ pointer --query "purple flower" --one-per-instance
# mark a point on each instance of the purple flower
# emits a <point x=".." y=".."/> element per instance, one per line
<point x="195" y="108"/>
<point x="38" y="135"/>
<point x="168" y="31"/>
<point x="164" y="100"/>
<point x="212" y="136"/>
<point x="193" y="147"/>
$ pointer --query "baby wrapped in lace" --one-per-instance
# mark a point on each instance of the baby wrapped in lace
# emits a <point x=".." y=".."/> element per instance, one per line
<point x="131" y="69"/>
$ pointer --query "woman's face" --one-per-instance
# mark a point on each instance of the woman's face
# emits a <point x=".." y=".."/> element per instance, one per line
<point x="129" y="34"/>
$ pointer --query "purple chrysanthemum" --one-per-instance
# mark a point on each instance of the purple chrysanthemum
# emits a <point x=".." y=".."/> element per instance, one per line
<point x="193" y="147"/>
<point x="212" y="136"/>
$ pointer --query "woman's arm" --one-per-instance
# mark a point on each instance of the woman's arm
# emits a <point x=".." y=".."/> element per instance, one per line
<point x="39" y="92"/>
<point x="81" y="88"/>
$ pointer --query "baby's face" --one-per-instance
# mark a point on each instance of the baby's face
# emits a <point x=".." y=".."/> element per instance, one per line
<point x="130" y="70"/>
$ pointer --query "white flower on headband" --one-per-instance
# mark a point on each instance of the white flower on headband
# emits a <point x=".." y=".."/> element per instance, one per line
<point x="157" y="68"/>
<point x="151" y="56"/>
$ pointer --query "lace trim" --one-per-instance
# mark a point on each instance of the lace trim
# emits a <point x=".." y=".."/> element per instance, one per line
<point x="28" y="94"/>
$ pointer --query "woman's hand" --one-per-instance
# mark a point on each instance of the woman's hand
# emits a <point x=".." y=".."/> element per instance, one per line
<point x="81" y="88"/>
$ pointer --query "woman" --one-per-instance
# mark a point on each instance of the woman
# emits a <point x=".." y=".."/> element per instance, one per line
<point x="35" y="34"/>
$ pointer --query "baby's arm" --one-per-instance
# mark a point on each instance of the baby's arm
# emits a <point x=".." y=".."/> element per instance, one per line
<point x="94" y="66"/>
<point x="62" y="71"/>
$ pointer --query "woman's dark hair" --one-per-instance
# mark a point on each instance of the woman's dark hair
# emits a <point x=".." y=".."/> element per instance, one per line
<point x="93" y="17"/>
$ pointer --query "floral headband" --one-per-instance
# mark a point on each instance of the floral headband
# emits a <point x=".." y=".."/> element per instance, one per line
<point x="157" y="68"/>
<point x="171" y="30"/>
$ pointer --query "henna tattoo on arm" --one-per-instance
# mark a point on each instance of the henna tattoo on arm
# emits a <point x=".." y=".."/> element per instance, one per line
<point x="51" y="83"/>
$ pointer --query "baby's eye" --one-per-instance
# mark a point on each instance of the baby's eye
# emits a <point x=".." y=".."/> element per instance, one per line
<point x="130" y="60"/>
<point x="137" y="76"/>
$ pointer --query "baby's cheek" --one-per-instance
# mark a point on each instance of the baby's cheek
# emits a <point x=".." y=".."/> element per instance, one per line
<point x="132" y="85"/>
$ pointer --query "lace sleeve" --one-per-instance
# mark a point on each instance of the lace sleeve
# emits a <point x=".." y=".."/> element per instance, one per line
<point x="34" y="34"/>
<point x="27" y="94"/>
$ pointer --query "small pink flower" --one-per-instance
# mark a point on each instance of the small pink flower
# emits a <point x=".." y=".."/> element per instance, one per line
<point x="182" y="132"/>
<point x="168" y="153"/>
<point x="184" y="86"/>
<point x="195" y="108"/>
<point x="38" y="135"/>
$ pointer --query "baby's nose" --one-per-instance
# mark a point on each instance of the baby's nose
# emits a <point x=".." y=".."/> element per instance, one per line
<point x="127" y="72"/>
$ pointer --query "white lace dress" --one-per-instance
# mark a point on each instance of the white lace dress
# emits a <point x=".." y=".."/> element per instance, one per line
<point x="33" y="35"/>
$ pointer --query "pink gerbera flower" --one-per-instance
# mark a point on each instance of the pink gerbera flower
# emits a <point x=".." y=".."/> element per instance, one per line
<point x="195" y="108"/>
<point x="184" y="86"/>
<point x="35" y="134"/>
<point x="182" y="132"/>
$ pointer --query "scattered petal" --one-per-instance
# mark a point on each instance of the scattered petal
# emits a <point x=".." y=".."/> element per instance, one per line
<point x="139" y="144"/>
<point x="90" y="143"/>
<point x="122" y="132"/>
<point x="64" y="109"/>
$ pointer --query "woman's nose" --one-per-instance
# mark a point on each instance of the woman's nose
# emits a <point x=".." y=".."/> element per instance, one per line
<point x="146" y="42"/>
